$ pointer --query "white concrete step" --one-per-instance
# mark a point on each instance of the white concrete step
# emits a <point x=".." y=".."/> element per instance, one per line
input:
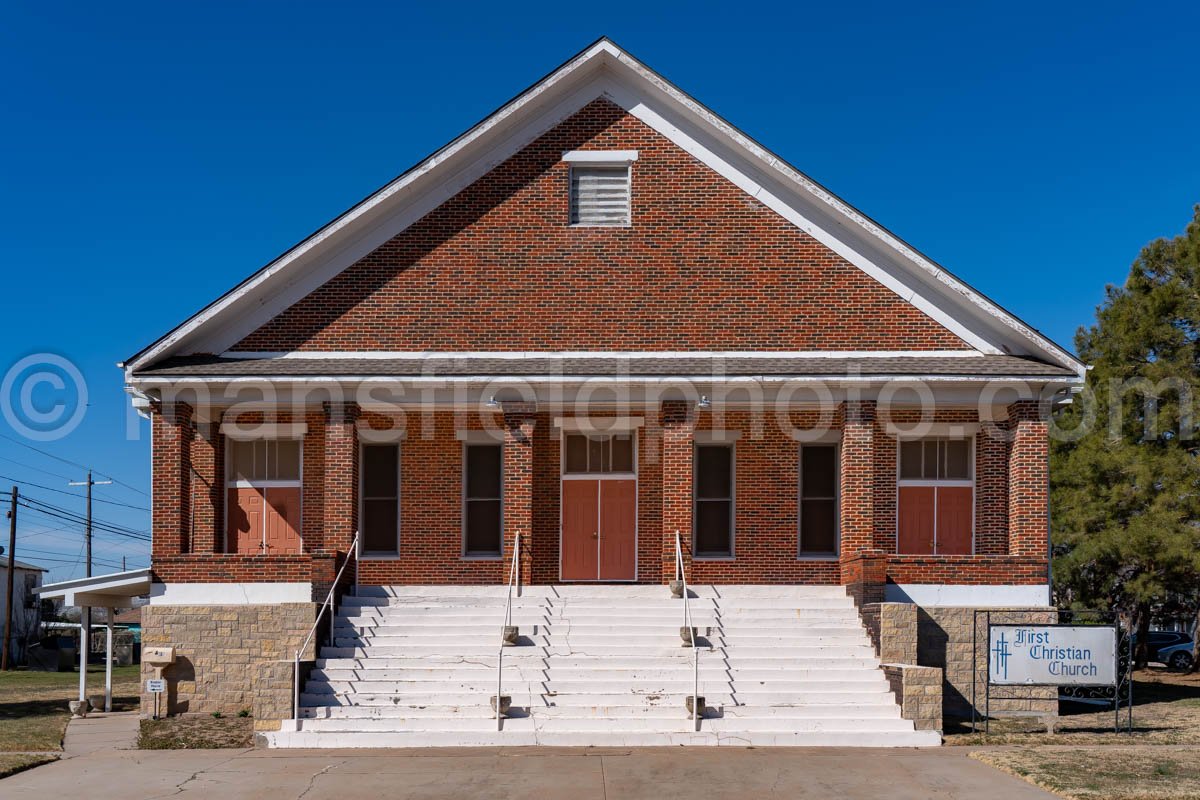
<point x="662" y="724"/>
<point x="681" y="685"/>
<point x="778" y="665"/>
<point x="534" y="672"/>
<point x="879" y="710"/>
<point x="493" y="738"/>
<point x="481" y="698"/>
<point x="592" y="591"/>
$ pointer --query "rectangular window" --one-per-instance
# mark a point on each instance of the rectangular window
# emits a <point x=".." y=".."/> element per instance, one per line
<point x="261" y="460"/>
<point x="818" y="500"/>
<point x="713" y="507"/>
<point x="483" y="481"/>
<point x="600" y="195"/>
<point x="936" y="497"/>
<point x="380" y="487"/>
<point x="592" y="454"/>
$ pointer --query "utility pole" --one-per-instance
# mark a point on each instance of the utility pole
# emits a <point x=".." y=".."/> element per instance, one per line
<point x="84" y="641"/>
<point x="12" y="568"/>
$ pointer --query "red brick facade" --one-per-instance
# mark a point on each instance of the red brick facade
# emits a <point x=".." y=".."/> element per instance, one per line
<point x="497" y="267"/>
<point x="765" y="510"/>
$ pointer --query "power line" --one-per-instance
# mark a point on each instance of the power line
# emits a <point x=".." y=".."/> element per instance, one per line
<point x="61" y="514"/>
<point x="36" y="469"/>
<point x="70" y="494"/>
<point x="71" y="463"/>
<point x="82" y="517"/>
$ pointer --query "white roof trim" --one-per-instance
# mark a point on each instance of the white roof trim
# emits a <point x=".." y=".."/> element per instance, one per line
<point x="600" y="156"/>
<point x="381" y="355"/>
<point x="604" y="69"/>
<point x="99" y="590"/>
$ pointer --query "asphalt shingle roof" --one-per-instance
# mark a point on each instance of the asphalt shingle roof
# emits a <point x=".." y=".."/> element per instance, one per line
<point x="582" y="367"/>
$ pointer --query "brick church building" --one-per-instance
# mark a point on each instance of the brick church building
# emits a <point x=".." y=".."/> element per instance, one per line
<point x="601" y="321"/>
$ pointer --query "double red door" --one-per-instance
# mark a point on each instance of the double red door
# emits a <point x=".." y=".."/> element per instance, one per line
<point x="264" y="521"/>
<point x="599" y="529"/>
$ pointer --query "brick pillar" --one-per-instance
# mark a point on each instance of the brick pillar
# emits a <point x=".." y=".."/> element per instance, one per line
<point x="991" y="492"/>
<point x="340" y="501"/>
<point x="857" y="502"/>
<point x="172" y="466"/>
<point x="678" y="422"/>
<point x="1028" y="479"/>
<point x="207" y="492"/>
<point x="519" y="424"/>
<point x="857" y="487"/>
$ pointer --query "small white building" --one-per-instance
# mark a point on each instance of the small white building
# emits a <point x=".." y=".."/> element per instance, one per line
<point x="27" y="614"/>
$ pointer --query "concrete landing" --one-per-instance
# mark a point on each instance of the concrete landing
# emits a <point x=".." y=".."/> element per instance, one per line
<point x="574" y="773"/>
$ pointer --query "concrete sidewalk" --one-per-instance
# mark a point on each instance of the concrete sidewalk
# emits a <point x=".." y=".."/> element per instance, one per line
<point x="577" y="774"/>
<point x="116" y="730"/>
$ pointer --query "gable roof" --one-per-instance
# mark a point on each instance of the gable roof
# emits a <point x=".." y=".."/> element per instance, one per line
<point x="605" y="69"/>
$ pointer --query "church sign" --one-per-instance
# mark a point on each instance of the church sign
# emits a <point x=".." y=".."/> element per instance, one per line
<point x="1052" y="655"/>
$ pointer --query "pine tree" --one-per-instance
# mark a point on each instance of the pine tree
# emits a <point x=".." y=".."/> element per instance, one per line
<point x="1125" y="491"/>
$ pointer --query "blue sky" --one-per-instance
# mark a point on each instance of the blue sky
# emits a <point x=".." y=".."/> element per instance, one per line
<point x="156" y="154"/>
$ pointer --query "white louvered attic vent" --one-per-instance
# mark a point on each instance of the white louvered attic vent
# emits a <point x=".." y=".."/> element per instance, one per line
<point x="600" y="195"/>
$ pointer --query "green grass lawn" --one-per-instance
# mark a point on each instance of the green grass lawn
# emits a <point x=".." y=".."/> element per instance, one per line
<point x="33" y="705"/>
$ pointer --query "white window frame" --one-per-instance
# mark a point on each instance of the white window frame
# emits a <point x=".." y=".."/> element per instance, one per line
<point x="479" y="442"/>
<point x="837" y="502"/>
<point x="605" y="159"/>
<point x="940" y="435"/>
<point x="716" y="439"/>
<point x="235" y="483"/>
<point x="596" y="433"/>
<point x="380" y="555"/>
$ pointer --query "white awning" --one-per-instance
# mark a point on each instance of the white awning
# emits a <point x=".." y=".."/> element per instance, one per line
<point x="100" y="591"/>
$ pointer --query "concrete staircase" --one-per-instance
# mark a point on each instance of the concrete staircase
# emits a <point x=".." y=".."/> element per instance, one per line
<point x="598" y="665"/>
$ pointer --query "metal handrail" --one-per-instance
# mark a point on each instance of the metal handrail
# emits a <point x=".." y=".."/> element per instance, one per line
<point x="691" y="631"/>
<point x="514" y="574"/>
<point x="329" y="603"/>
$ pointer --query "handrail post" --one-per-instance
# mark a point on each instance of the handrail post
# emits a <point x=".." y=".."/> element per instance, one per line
<point x="691" y="631"/>
<point x="331" y="603"/>
<point x="514" y="572"/>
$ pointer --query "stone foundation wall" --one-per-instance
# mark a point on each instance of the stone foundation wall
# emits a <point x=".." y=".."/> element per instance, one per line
<point x="893" y="630"/>
<point x="227" y="658"/>
<point x="918" y="690"/>
<point x="944" y="640"/>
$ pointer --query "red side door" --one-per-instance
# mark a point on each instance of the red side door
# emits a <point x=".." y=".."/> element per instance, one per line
<point x="283" y="520"/>
<point x="954" y="507"/>
<point x="915" y="529"/>
<point x="618" y="530"/>
<point x="245" y="520"/>
<point x="580" y="529"/>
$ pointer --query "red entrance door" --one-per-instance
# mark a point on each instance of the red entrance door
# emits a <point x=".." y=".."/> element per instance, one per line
<point x="599" y="529"/>
<point x="618" y="530"/>
<point x="580" y="529"/>
<point x="283" y="520"/>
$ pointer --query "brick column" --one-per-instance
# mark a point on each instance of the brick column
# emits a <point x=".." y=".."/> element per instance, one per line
<point x="340" y="501"/>
<point x="172" y="466"/>
<point x="991" y="492"/>
<point x="856" y="508"/>
<point x="208" y="492"/>
<point x="1028" y="479"/>
<point x="519" y="424"/>
<point x="678" y="422"/>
